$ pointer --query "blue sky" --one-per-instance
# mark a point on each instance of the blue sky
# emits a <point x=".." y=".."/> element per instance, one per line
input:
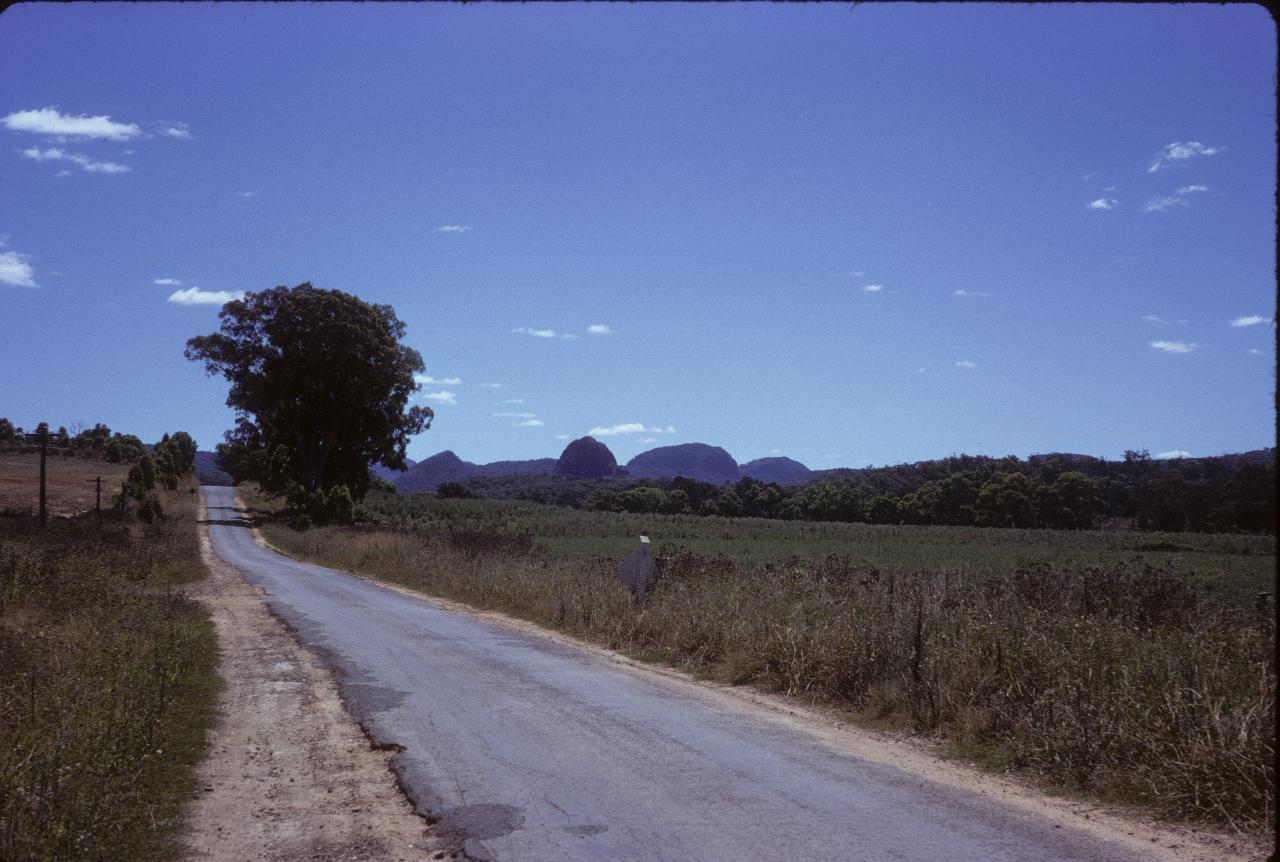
<point x="849" y="235"/>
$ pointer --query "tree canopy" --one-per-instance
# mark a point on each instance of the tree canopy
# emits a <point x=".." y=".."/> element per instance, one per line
<point x="320" y="384"/>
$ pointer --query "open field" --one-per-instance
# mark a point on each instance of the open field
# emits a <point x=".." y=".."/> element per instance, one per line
<point x="107" y="684"/>
<point x="69" y="483"/>
<point x="1236" y="566"/>
<point x="1130" y="667"/>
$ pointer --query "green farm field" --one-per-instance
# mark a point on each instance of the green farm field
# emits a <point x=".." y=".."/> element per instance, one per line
<point x="1235" y="567"/>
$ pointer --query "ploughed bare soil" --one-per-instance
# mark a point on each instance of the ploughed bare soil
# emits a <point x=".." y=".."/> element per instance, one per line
<point x="290" y="775"/>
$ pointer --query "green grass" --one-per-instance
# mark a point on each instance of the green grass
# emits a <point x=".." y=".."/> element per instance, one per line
<point x="1237" y="566"/>
<point x="108" y="688"/>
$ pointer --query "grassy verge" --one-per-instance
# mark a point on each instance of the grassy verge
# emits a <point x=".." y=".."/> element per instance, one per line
<point x="1125" y="679"/>
<point x="108" y="687"/>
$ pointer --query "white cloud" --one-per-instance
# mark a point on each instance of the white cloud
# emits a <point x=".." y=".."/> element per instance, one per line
<point x="453" y="228"/>
<point x="964" y="363"/>
<point x="1172" y="453"/>
<point x="515" y="415"/>
<point x="1103" y="204"/>
<point x="960" y="292"/>
<point x="1251" y="320"/>
<point x="175" y="129"/>
<point x="599" y="329"/>
<point x="1186" y="190"/>
<point x="647" y="440"/>
<point x="491" y="385"/>
<point x="530" y="423"/>
<point x="1174" y="346"/>
<point x="437" y="381"/>
<point x="511" y="401"/>
<point x="15" y="270"/>
<point x="442" y="397"/>
<point x="1180" y="152"/>
<point x="196" y="296"/>
<point x="540" y="333"/>
<point x="872" y="288"/>
<point x="49" y="121"/>
<point x="1156" y="205"/>
<point x="623" y="428"/>
<point x="53" y="154"/>
<point x="168" y="282"/>
<point x="1255" y="351"/>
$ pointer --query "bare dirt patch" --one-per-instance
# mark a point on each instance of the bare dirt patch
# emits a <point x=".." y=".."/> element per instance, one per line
<point x="290" y="776"/>
<point x="69" y="485"/>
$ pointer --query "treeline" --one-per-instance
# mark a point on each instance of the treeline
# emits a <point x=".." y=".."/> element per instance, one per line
<point x="158" y="465"/>
<point x="1221" y="494"/>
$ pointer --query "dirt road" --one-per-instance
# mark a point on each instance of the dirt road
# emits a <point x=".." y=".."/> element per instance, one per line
<point x="525" y="747"/>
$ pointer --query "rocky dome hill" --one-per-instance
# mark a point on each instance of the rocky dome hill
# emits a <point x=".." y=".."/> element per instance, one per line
<point x="690" y="460"/>
<point x="586" y="458"/>
<point x="782" y="470"/>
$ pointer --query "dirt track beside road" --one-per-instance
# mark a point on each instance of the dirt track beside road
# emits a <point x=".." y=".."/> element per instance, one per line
<point x="290" y="776"/>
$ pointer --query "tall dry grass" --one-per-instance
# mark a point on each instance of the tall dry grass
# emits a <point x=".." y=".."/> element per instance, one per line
<point x="107" y="686"/>
<point x="1124" y="681"/>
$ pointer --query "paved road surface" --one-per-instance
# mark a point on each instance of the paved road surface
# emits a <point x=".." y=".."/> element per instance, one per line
<point x="538" y="751"/>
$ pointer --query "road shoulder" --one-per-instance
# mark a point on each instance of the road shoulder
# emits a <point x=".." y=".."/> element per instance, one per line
<point x="290" y="775"/>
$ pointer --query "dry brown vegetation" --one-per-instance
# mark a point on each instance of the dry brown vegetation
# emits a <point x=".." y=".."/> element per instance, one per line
<point x="69" y="483"/>
<point x="107" y="684"/>
<point x="1123" y="680"/>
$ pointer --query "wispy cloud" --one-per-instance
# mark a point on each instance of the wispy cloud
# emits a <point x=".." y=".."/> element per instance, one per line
<point x="437" y="381"/>
<point x="252" y="193"/>
<point x="630" y="428"/>
<point x="1156" y="205"/>
<point x="168" y="282"/>
<point x="515" y="415"/>
<point x="1154" y="318"/>
<point x="441" y="397"/>
<point x="1254" y="351"/>
<point x="173" y="129"/>
<point x="965" y="363"/>
<point x="53" y="154"/>
<point x="1177" y="153"/>
<point x="1103" y="204"/>
<point x="196" y="296"/>
<point x="962" y="292"/>
<point x="50" y="121"/>
<point x="1250" y="320"/>
<point x="511" y="401"/>
<point x="1172" y="453"/>
<point x="530" y="423"/>
<point x="541" y="333"/>
<point x="15" y="270"/>
<point x="599" y="329"/>
<point x="1188" y="190"/>
<point x="453" y="228"/>
<point x="872" y="288"/>
<point x="562" y="436"/>
<point x="1174" y="346"/>
<point x="491" y="385"/>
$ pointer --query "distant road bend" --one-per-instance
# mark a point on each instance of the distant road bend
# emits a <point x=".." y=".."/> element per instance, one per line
<point x="532" y="751"/>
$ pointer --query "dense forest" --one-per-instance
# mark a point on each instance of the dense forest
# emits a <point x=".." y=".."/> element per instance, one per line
<point x="1228" y="493"/>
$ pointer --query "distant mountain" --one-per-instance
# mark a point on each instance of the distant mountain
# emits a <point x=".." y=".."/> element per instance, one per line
<point x="784" y="471"/>
<point x="586" y="458"/>
<point x="389" y="474"/>
<point x="691" y="460"/>
<point x="533" y="467"/>
<point x="429" y="474"/>
<point x="208" y="471"/>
